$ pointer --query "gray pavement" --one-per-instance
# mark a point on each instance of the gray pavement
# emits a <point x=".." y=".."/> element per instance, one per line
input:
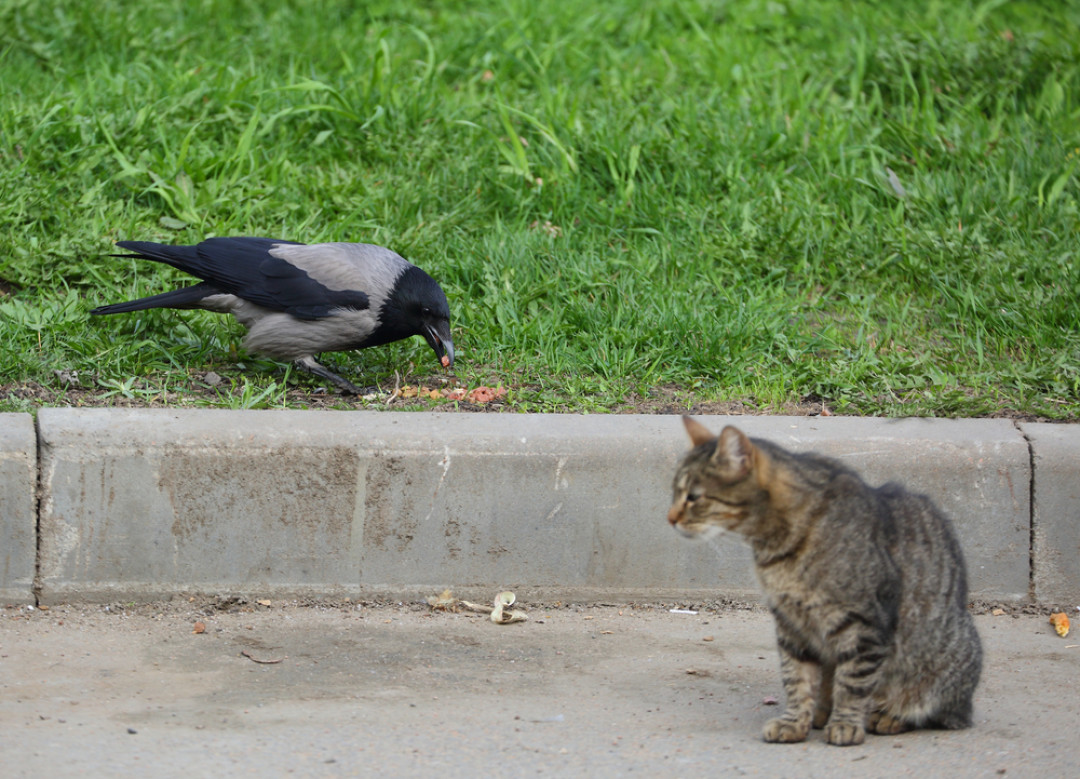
<point x="135" y="504"/>
<point x="397" y="691"/>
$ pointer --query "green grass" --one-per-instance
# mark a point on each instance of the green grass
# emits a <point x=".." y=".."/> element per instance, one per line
<point x="870" y="204"/>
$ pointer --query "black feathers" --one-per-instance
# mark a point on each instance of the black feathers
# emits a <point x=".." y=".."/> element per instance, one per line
<point x="244" y="267"/>
<point x="186" y="297"/>
<point x="298" y="300"/>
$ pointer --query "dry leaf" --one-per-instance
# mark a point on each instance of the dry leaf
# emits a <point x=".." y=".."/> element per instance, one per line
<point x="445" y="601"/>
<point x="707" y="638"/>
<point x="200" y="627"/>
<point x="997" y="612"/>
<point x="263" y="602"/>
<point x="1060" y="621"/>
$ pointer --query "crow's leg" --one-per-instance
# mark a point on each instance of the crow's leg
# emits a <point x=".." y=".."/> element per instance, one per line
<point x="312" y="366"/>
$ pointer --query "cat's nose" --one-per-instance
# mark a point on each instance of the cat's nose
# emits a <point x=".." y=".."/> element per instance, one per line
<point x="674" y="513"/>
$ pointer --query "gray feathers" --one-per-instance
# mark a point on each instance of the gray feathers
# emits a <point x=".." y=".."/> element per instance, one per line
<point x="298" y="300"/>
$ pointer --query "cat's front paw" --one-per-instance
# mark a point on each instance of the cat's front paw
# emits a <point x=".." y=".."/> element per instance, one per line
<point x="844" y="734"/>
<point x="784" y="731"/>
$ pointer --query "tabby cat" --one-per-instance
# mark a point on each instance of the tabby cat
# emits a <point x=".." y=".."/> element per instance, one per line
<point x="867" y="586"/>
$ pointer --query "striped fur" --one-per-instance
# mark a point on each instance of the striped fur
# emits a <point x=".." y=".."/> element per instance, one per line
<point x="867" y="586"/>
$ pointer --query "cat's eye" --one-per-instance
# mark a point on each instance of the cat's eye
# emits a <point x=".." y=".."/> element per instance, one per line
<point x="694" y="494"/>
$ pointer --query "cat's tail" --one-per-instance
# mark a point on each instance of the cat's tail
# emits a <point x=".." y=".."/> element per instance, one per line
<point x="957" y="684"/>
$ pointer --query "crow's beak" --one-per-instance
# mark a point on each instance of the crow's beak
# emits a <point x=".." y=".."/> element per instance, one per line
<point x="437" y="334"/>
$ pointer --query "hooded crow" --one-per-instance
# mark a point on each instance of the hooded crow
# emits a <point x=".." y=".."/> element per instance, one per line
<point x="297" y="300"/>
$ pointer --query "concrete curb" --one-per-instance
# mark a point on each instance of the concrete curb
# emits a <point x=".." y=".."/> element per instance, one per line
<point x="141" y="504"/>
<point x="18" y="507"/>
<point x="1055" y="536"/>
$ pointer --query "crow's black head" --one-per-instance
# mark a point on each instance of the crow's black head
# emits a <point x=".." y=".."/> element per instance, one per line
<point x="417" y="306"/>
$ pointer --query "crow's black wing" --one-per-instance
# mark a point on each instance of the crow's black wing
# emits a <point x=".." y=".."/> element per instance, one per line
<point x="245" y="268"/>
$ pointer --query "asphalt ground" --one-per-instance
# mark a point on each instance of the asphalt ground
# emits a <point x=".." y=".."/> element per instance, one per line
<point x="348" y="689"/>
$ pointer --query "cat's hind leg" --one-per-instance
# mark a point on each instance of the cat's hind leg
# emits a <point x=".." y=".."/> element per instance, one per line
<point x="885" y="724"/>
<point x="938" y="699"/>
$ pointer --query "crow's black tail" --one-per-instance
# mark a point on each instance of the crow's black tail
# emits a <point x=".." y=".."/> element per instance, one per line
<point x="187" y="297"/>
<point x="180" y="257"/>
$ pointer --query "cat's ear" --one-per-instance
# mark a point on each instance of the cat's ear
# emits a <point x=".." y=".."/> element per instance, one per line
<point x="733" y="454"/>
<point x="699" y="434"/>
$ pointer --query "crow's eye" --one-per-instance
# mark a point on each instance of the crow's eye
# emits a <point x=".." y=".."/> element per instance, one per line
<point x="425" y="311"/>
